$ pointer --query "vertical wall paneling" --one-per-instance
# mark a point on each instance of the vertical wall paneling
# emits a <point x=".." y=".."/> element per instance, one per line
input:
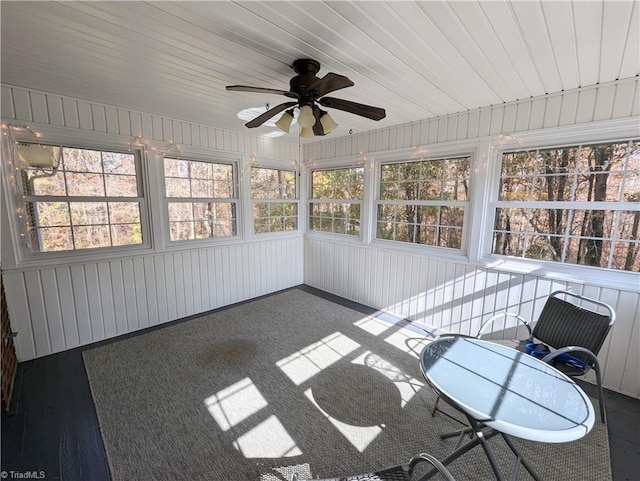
<point x="552" y="111"/>
<point x="6" y="104"/>
<point x="107" y="300"/>
<point x="37" y="312"/>
<point x="81" y="302"/>
<point x="22" y="104"/>
<point x="70" y="112"/>
<point x="157" y="129"/>
<point x="94" y="301"/>
<point x="568" y="108"/>
<point x="53" y="310"/>
<point x="586" y="105"/>
<point x="124" y="122"/>
<point x="69" y="319"/>
<point x="151" y="290"/>
<point x="39" y="107"/>
<point x="85" y="116"/>
<point x="15" y="290"/>
<point x="99" y="118"/>
<point x="458" y="298"/>
<point x="111" y="120"/>
<point x="54" y="108"/>
<point x="604" y="102"/>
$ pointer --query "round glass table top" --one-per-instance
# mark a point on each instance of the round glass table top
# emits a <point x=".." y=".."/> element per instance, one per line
<point x="508" y="390"/>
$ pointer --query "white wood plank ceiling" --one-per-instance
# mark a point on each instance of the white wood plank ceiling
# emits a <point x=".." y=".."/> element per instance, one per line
<point x="416" y="59"/>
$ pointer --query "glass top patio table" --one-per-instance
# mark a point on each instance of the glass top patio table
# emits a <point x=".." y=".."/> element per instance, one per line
<point x="507" y="390"/>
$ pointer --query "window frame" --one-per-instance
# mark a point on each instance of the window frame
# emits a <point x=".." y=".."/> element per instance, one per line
<point x="591" y="134"/>
<point x="363" y="203"/>
<point x="466" y="205"/>
<point x="16" y="198"/>
<point x="273" y="200"/>
<point x="467" y="148"/>
<point x="208" y="157"/>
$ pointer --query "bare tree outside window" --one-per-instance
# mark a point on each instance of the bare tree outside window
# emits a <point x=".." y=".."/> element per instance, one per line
<point x="424" y="202"/>
<point x="270" y="189"/>
<point x="201" y="199"/>
<point x="336" y="198"/>
<point x="80" y="198"/>
<point x="576" y="204"/>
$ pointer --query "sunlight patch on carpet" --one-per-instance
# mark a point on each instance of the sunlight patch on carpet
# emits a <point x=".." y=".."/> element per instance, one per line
<point x="309" y="361"/>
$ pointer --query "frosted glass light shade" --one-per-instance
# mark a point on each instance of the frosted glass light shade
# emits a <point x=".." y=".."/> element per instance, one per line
<point x="306" y="118"/>
<point x="306" y="132"/>
<point x="328" y="124"/>
<point x="285" y="122"/>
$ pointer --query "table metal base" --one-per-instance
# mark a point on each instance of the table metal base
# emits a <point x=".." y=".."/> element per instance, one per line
<point x="480" y="437"/>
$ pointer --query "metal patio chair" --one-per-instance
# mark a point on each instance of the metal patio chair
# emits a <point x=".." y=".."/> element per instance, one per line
<point x="574" y="336"/>
<point x="403" y="472"/>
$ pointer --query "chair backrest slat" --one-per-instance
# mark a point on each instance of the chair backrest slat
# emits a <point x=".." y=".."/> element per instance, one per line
<point x="562" y="324"/>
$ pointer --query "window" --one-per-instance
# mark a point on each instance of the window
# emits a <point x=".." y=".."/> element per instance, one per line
<point x="336" y="198"/>
<point x="201" y="199"/>
<point x="273" y="194"/>
<point x="80" y="198"/>
<point x="424" y="202"/>
<point x="577" y="205"/>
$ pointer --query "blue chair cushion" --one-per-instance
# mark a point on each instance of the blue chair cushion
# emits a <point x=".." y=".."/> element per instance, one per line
<point x="541" y="350"/>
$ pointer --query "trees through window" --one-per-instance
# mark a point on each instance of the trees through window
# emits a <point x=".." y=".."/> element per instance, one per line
<point x="336" y="199"/>
<point x="577" y="204"/>
<point x="80" y="198"/>
<point x="424" y="202"/>
<point x="274" y="199"/>
<point x="201" y="199"/>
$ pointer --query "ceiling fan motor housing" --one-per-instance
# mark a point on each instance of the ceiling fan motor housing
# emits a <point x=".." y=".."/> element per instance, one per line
<point x="306" y="69"/>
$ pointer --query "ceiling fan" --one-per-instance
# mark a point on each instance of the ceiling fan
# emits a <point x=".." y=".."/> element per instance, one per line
<point x="308" y="91"/>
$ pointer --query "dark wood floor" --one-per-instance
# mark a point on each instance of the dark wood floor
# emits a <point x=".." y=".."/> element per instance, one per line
<point x="53" y="426"/>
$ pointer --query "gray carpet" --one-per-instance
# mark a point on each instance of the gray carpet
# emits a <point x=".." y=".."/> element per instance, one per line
<point x="289" y="382"/>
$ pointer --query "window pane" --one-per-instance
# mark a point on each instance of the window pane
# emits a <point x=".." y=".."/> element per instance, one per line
<point x="52" y="239"/>
<point x="84" y="177"/>
<point x="272" y="184"/>
<point x="177" y="187"/>
<point x="81" y="160"/>
<point x="50" y="213"/>
<point x="126" y="234"/>
<point x="88" y="213"/>
<point x="420" y="184"/>
<point x="39" y="183"/>
<point x="119" y="163"/>
<point x="85" y="185"/>
<point x="176" y="168"/>
<point x="180" y="211"/>
<point x="90" y="237"/>
<point x="124" y="212"/>
<point x="589" y="174"/>
<point x="339" y="184"/>
<point x="121" y="186"/>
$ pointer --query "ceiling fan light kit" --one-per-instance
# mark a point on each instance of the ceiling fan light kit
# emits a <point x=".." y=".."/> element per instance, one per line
<point x="309" y="90"/>
<point x="284" y="123"/>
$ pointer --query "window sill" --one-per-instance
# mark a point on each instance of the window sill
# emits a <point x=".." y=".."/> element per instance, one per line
<point x="578" y="274"/>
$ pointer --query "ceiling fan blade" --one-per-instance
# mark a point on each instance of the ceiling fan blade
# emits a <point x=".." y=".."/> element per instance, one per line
<point x="246" y="88"/>
<point x="329" y="83"/>
<point x="261" y="119"/>
<point x="318" y="129"/>
<point x="373" y="113"/>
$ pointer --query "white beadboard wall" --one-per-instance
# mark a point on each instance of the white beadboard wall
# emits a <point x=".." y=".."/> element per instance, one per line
<point x="457" y="297"/>
<point x="78" y="303"/>
<point x="18" y="104"/>
<point x="454" y="296"/>
<point x="612" y="100"/>
<point x="60" y="308"/>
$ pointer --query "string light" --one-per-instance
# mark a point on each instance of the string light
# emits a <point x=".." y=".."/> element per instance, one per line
<point x="150" y="146"/>
<point x="14" y="166"/>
